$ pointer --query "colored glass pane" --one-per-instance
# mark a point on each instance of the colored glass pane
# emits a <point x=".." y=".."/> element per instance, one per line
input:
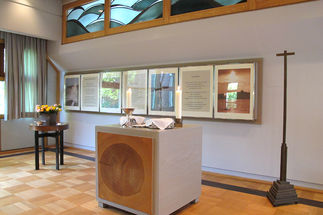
<point x="85" y="18"/>
<point x="186" y="6"/>
<point x="134" y="11"/>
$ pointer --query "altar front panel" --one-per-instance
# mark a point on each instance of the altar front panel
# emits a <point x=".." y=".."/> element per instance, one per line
<point x="125" y="170"/>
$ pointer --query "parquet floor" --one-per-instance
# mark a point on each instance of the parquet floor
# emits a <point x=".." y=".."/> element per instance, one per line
<point x="71" y="190"/>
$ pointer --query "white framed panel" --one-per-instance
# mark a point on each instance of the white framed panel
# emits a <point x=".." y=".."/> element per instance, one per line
<point x="137" y="81"/>
<point x="90" y="92"/>
<point x="110" y="92"/>
<point x="72" y="92"/>
<point x="163" y="83"/>
<point x="197" y="87"/>
<point x="234" y="91"/>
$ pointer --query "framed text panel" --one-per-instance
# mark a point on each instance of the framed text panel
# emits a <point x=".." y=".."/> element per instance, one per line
<point x="197" y="88"/>
<point x="90" y="92"/>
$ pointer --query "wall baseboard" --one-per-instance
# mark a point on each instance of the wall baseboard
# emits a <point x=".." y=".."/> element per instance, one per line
<point x="301" y="184"/>
<point x="90" y="148"/>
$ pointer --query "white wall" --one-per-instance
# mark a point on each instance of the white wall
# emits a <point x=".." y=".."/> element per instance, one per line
<point x="10" y="139"/>
<point x="231" y="147"/>
<point x="37" y="18"/>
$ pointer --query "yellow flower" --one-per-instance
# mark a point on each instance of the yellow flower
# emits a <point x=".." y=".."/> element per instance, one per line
<point x="48" y="108"/>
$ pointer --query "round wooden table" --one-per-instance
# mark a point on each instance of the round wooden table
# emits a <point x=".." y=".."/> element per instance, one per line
<point x="42" y="131"/>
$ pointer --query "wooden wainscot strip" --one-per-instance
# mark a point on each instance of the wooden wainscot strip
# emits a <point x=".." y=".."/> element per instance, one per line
<point x="251" y="4"/>
<point x="81" y="37"/>
<point x="58" y="78"/>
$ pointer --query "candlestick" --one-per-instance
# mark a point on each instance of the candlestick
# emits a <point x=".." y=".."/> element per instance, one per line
<point x="178" y="103"/>
<point x="129" y="95"/>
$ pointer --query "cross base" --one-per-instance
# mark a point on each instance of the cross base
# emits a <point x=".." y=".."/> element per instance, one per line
<point x="282" y="193"/>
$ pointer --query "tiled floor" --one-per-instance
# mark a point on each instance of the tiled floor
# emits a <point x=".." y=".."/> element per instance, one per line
<point x="71" y="190"/>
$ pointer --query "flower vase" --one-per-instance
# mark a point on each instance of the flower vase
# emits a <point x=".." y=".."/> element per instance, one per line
<point x="48" y="118"/>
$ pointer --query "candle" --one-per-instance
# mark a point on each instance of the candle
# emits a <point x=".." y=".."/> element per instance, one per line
<point x="178" y="103"/>
<point x="129" y="94"/>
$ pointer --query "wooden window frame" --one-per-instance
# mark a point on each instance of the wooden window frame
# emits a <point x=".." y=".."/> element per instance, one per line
<point x="167" y="18"/>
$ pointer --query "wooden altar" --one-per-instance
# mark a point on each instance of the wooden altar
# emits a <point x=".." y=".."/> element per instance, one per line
<point x="148" y="171"/>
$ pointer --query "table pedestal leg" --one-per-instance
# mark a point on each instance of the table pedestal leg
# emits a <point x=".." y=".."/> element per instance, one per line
<point x="43" y="150"/>
<point x="61" y="147"/>
<point x="36" y="151"/>
<point x="57" y="150"/>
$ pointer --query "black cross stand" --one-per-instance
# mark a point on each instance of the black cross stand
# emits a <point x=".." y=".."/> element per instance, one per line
<point x="282" y="192"/>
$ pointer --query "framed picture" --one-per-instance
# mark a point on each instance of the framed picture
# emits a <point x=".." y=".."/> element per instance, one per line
<point x="136" y="80"/>
<point x="197" y="89"/>
<point x="110" y="93"/>
<point x="72" y="92"/>
<point x="90" y="92"/>
<point x="161" y="94"/>
<point x="235" y="91"/>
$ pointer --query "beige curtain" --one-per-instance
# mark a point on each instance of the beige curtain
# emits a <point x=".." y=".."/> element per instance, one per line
<point x="26" y="74"/>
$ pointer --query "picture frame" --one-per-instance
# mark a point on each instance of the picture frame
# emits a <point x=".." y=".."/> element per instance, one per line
<point x="72" y="92"/>
<point x="163" y="83"/>
<point x="90" y="92"/>
<point x="235" y="91"/>
<point x="197" y="91"/>
<point x="137" y="81"/>
<point x="110" y="92"/>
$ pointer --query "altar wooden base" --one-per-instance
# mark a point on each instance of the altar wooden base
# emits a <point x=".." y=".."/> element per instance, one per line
<point x="148" y="171"/>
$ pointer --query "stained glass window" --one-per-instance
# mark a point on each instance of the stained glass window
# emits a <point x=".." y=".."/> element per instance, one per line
<point x="124" y="12"/>
<point x="186" y="6"/>
<point x="85" y="18"/>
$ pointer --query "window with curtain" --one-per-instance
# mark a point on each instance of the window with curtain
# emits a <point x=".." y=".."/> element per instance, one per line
<point x="30" y="75"/>
<point x="2" y="80"/>
<point x="25" y="68"/>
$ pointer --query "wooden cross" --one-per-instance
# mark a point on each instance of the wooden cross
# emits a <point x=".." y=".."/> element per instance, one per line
<point x="283" y="164"/>
<point x="285" y="54"/>
<point x="282" y="192"/>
